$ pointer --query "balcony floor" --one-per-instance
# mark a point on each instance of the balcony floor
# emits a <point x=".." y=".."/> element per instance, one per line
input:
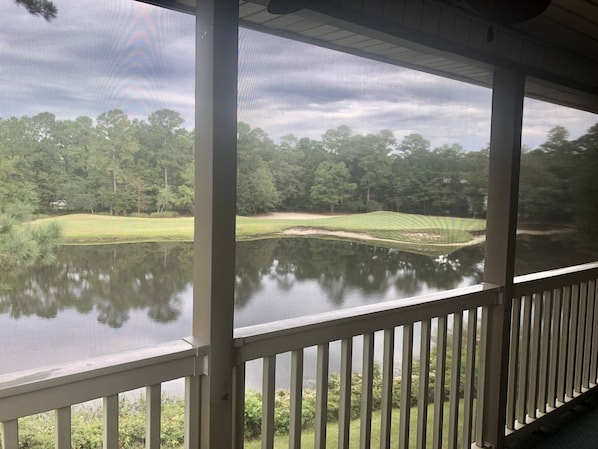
<point x="577" y="429"/>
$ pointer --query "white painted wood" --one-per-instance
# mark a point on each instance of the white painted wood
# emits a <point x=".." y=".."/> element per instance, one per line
<point x="239" y="405"/>
<point x="110" y="408"/>
<point x="367" y="382"/>
<point x="439" y="387"/>
<point x="321" y="395"/>
<point x="268" y="392"/>
<point x="216" y="74"/>
<point x="545" y="342"/>
<point x="453" y="429"/>
<point x="554" y="279"/>
<point x="555" y="341"/>
<point x="532" y="405"/>
<point x="572" y="344"/>
<point x="424" y="385"/>
<point x="470" y="371"/>
<point x="480" y="398"/>
<point x="193" y="411"/>
<point x="254" y="342"/>
<point x="296" y="400"/>
<point x="594" y="351"/>
<point x="503" y="183"/>
<point x="563" y="348"/>
<point x="30" y="392"/>
<point x="388" y="351"/>
<point x="62" y="428"/>
<point x="344" y="412"/>
<point x="511" y="414"/>
<point x="153" y="415"/>
<point x="581" y="332"/>
<point x="524" y="363"/>
<point x="406" y="376"/>
<point x="10" y="434"/>
<point x="587" y="351"/>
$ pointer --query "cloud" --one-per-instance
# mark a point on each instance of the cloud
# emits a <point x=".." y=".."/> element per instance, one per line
<point x="98" y="56"/>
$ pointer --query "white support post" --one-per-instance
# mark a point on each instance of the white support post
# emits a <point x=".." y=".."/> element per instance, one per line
<point x="215" y="206"/>
<point x="110" y="421"/>
<point x="9" y="434"/>
<point x="153" y="416"/>
<point x="501" y="226"/>
<point x="62" y="428"/>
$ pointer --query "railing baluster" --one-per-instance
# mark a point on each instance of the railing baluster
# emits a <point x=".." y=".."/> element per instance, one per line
<point x="192" y="411"/>
<point x="424" y="382"/>
<point x="296" y="399"/>
<point x="534" y="355"/>
<point x="554" y="341"/>
<point x="439" y="395"/>
<point x="321" y="395"/>
<point x="523" y="377"/>
<point x="546" y="338"/>
<point x="110" y="421"/>
<point x="513" y="363"/>
<point x="581" y="332"/>
<point x="268" y="393"/>
<point x="62" y="430"/>
<point x="10" y="434"/>
<point x="570" y="379"/>
<point x="367" y="384"/>
<point x="482" y="351"/>
<point x="406" y="379"/>
<point x="239" y="372"/>
<point x="472" y="326"/>
<point x="455" y="380"/>
<point x="344" y="416"/>
<point x="565" y="321"/>
<point x="153" y="412"/>
<point x="587" y="351"/>
<point x="387" y="381"/>
<point x="594" y="351"/>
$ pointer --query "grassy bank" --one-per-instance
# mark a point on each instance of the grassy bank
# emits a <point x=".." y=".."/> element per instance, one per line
<point x="382" y="228"/>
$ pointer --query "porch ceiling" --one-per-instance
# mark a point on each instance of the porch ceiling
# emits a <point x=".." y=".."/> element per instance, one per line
<point x="558" y="50"/>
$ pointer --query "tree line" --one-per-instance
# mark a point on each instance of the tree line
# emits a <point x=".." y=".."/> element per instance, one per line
<point x="122" y="166"/>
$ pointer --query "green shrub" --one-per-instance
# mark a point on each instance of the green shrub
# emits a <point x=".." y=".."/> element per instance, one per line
<point x="165" y="214"/>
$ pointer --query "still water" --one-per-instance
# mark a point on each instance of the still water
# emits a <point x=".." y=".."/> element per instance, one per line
<point x="101" y="299"/>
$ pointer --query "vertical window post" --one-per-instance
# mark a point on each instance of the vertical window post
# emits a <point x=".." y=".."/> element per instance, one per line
<point x="501" y="227"/>
<point x="215" y="209"/>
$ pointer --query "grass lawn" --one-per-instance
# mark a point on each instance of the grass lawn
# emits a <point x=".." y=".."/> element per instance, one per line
<point x="308" y="436"/>
<point x="404" y="231"/>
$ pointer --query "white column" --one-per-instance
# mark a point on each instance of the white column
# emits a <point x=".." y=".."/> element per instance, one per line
<point x="215" y="208"/>
<point x="503" y="187"/>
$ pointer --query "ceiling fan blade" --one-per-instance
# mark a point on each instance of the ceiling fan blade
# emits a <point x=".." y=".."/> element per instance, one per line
<point x="288" y="6"/>
<point x="509" y="11"/>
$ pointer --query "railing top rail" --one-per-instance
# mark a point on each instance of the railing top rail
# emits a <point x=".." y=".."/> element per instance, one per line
<point x="547" y="280"/>
<point x="285" y="335"/>
<point x="83" y="380"/>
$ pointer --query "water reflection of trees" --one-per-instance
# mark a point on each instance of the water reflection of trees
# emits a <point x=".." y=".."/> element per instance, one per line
<point x="342" y="267"/>
<point x="110" y="280"/>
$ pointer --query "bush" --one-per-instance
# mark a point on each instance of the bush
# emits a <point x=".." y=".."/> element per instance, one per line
<point x="165" y="214"/>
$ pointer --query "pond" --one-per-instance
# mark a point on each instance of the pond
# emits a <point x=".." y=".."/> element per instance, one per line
<point x="101" y="299"/>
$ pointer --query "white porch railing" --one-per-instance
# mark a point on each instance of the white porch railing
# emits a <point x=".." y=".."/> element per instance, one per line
<point x="430" y="316"/>
<point x="554" y="344"/>
<point x="58" y="388"/>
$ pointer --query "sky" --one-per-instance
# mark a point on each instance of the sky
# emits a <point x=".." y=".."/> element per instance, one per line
<point x="97" y="56"/>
